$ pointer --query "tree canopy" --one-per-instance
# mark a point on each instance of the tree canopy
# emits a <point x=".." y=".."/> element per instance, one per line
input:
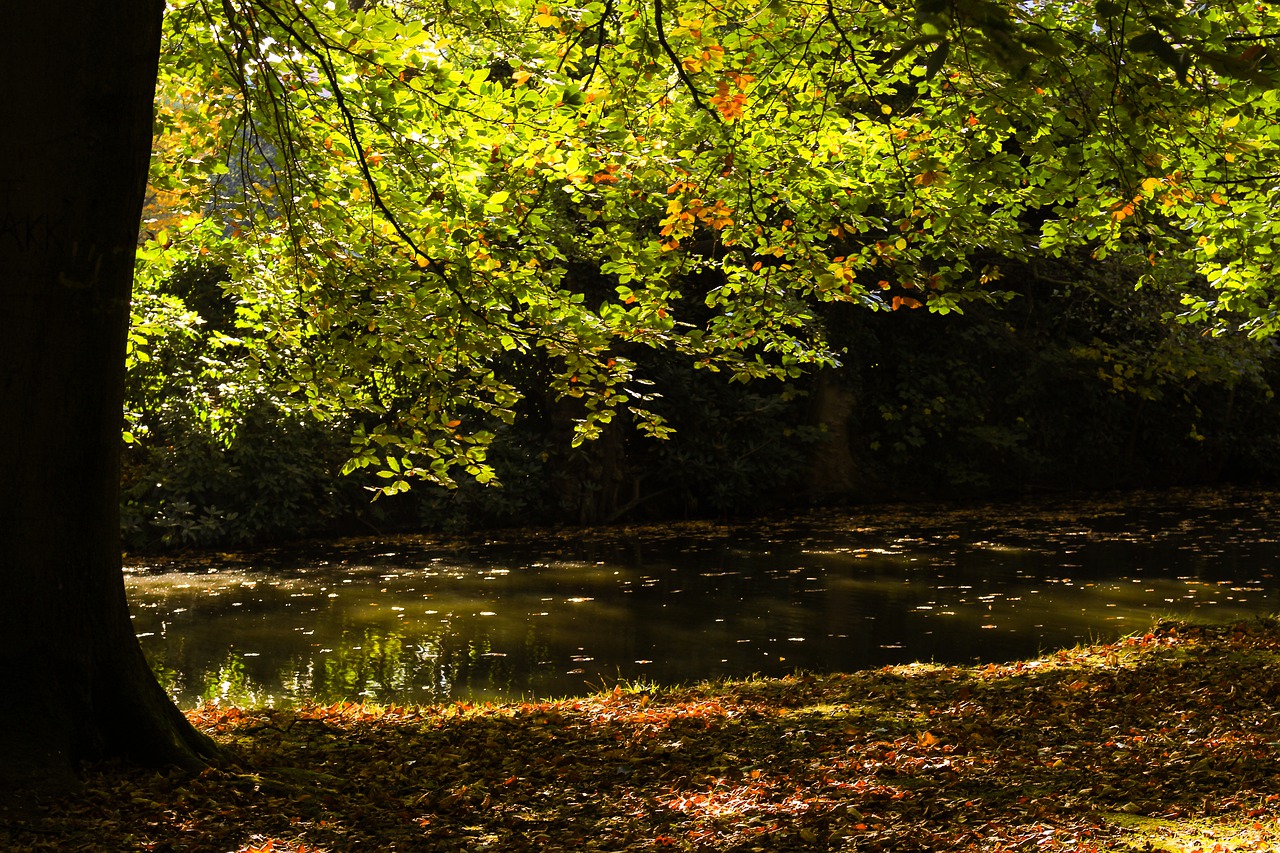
<point x="409" y="198"/>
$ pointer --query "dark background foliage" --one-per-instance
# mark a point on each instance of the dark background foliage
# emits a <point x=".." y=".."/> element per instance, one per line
<point x="1080" y="382"/>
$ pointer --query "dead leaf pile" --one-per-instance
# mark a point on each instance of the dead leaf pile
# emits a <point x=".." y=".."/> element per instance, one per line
<point x="1177" y="726"/>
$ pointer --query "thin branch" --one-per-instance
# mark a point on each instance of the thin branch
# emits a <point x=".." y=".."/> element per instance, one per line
<point x="679" y="66"/>
<point x="600" y="35"/>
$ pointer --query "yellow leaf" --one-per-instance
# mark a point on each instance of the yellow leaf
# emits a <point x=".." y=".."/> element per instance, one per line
<point x="1232" y="121"/>
<point x="521" y="77"/>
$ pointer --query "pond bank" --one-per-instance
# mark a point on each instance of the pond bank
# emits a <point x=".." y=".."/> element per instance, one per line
<point x="540" y="614"/>
<point x="1166" y="740"/>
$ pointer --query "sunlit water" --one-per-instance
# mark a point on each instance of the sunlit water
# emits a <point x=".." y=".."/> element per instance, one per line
<point x="402" y="621"/>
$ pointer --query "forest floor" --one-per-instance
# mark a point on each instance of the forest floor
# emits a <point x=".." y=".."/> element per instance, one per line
<point x="1168" y="741"/>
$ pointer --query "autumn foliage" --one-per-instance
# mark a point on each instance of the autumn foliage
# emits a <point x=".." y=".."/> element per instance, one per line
<point x="409" y="199"/>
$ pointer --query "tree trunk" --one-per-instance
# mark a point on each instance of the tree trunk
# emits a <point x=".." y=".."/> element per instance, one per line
<point x="79" y="82"/>
<point x="832" y="469"/>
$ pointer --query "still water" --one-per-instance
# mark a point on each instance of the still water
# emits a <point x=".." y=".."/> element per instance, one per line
<point x="401" y="620"/>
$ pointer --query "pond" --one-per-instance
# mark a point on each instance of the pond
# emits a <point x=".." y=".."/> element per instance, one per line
<point x="401" y="620"/>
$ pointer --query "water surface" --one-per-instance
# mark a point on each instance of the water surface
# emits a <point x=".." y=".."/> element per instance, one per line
<point x="551" y="614"/>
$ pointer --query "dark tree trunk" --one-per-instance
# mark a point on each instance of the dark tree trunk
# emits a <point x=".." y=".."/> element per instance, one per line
<point x="833" y="472"/>
<point x="79" y="79"/>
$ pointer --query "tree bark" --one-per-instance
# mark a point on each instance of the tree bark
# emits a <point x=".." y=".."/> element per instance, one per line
<point x="77" y="120"/>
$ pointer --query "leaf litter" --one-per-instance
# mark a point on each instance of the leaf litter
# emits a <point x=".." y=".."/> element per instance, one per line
<point x="1167" y="740"/>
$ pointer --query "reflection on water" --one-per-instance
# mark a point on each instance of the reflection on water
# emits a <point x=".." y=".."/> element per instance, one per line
<point x="546" y="617"/>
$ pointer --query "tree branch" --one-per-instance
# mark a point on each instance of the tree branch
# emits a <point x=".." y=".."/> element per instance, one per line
<point x="679" y="66"/>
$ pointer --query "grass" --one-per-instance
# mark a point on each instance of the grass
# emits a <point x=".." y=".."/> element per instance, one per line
<point x="1194" y="836"/>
